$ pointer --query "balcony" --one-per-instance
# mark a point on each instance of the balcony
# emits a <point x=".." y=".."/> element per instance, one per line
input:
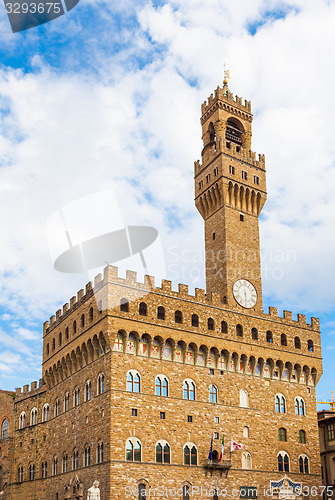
<point x="212" y="465"/>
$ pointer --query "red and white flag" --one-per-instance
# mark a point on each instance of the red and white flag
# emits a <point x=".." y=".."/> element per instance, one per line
<point x="222" y="450"/>
<point x="235" y="446"/>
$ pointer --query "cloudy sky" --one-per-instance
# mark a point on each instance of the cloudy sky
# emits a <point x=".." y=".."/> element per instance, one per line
<point x="108" y="97"/>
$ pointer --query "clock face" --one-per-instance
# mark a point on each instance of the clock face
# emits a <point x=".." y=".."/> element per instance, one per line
<point x="245" y="293"/>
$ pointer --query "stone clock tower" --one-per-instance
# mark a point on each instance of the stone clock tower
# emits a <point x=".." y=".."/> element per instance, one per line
<point x="230" y="191"/>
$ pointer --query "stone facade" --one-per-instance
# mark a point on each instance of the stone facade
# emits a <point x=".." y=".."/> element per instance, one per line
<point x="326" y="421"/>
<point x="129" y="367"/>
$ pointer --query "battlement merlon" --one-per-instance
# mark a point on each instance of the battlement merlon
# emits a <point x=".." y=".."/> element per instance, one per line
<point x="110" y="275"/>
<point x="227" y="99"/>
<point x="35" y="390"/>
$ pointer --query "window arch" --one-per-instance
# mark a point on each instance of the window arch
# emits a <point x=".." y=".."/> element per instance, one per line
<point x="211" y="132"/>
<point x="75" y="460"/>
<point x="163" y="452"/>
<point x="280" y="403"/>
<point x="161" y="386"/>
<point x="133" y="381"/>
<point x="67" y="333"/>
<point x="282" y="434"/>
<point x="20" y="474"/>
<point x="124" y="305"/>
<point x="142" y="492"/>
<point x="283" y="462"/>
<point x="303" y="464"/>
<point x="101" y="384"/>
<point x="224" y="327"/>
<point x="55" y="466"/>
<point x="297" y="343"/>
<point x="22" y="420"/>
<point x="299" y="405"/>
<point x="283" y="339"/>
<point x="178" y="317"/>
<point x="244" y="399"/>
<point x="246" y="460"/>
<point x="33" y="416"/>
<point x="269" y="337"/>
<point x="88" y="390"/>
<point x="143" y="309"/>
<point x="76" y="397"/>
<point x="31" y="472"/>
<point x="246" y="431"/>
<point x="5" y="429"/>
<point x="66" y="402"/>
<point x="74" y="326"/>
<point x="64" y="463"/>
<point x="45" y="413"/>
<point x="87" y="456"/>
<point x="82" y="320"/>
<point x="161" y="313"/>
<point x="53" y="344"/>
<point x="44" y="469"/>
<point x="133" y="450"/>
<point x="302" y="436"/>
<point x="254" y="333"/>
<point x="195" y="320"/>
<point x="60" y="338"/>
<point x="189" y="390"/>
<point x="91" y="314"/>
<point x="100" y="452"/>
<point x="310" y="345"/>
<point x="190" y="454"/>
<point x="210" y="324"/>
<point x="213" y="394"/>
<point x="239" y="330"/>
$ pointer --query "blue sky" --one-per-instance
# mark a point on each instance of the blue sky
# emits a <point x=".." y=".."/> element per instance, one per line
<point x="108" y="96"/>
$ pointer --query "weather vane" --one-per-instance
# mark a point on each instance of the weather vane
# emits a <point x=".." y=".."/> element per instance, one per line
<point x="226" y="75"/>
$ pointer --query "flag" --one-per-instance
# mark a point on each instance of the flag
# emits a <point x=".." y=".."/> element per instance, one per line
<point x="222" y="450"/>
<point x="235" y="446"/>
<point x="211" y="450"/>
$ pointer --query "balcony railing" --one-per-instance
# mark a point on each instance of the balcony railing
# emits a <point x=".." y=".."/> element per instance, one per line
<point x="223" y="466"/>
<point x="233" y="137"/>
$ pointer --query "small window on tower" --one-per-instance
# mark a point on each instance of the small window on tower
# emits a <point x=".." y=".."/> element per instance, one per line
<point x="162" y="415"/>
<point x="189" y="418"/>
<point x="238" y="149"/>
<point x="134" y="412"/>
<point x="208" y="177"/>
<point x="241" y="218"/>
<point x="217" y="420"/>
<point x="232" y="170"/>
<point x="216" y="171"/>
<point x="201" y="184"/>
<point x="213" y="236"/>
<point x="228" y="145"/>
<point x="216" y="435"/>
<point x="256" y="179"/>
<point x="244" y="175"/>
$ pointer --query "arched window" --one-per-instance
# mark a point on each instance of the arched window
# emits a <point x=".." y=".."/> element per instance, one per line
<point x="161" y="313"/>
<point x="210" y="324"/>
<point x="100" y="306"/>
<point x="55" y="466"/>
<point x="143" y="310"/>
<point x="244" y="399"/>
<point x="310" y="345"/>
<point x="186" y="492"/>
<point x="246" y="460"/>
<point x="178" y="317"/>
<point x="190" y="455"/>
<point x="101" y="384"/>
<point x="283" y="339"/>
<point x="20" y="474"/>
<point x="4" y="429"/>
<point x="66" y="402"/>
<point x="211" y="131"/>
<point x="195" y="320"/>
<point x="239" y="330"/>
<point x="64" y="463"/>
<point x="254" y="333"/>
<point x="22" y="421"/>
<point x="303" y="464"/>
<point x="75" y="460"/>
<point x="269" y="337"/>
<point x="60" y="338"/>
<point x="246" y="431"/>
<point x="162" y="452"/>
<point x="33" y="417"/>
<point x="233" y="131"/>
<point x="74" y="327"/>
<point x="44" y="468"/>
<point x="87" y="456"/>
<point x="91" y="314"/>
<point x="302" y="436"/>
<point x="88" y="390"/>
<point x="82" y="319"/>
<point x="100" y="453"/>
<point x="297" y="343"/>
<point x="283" y="462"/>
<point x="67" y="333"/>
<point x="76" y="397"/>
<point x="213" y="394"/>
<point x="124" y="305"/>
<point x="133" y="381"/>
<point x="142" y="494"/>
<point x="280" y="403"/>
<point x="161" y="386"/>
<point x="31" y="472"/>
<point x="299" y="405"/>
<point x="224" y="327"/>
<point x="189" y="390"/>
<point x="45" y="413"/>
<point x="282" y="435"/>
<point x="48" y="349"/>
<point x="53" y="344"/>
<point x="133" y="450"/>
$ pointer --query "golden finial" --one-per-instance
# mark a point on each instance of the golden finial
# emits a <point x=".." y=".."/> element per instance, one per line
<point x="226" y="75"/>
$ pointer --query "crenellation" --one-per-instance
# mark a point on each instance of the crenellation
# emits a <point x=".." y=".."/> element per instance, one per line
<point x="110" y="274"/>
<point x="80" y="295"/>
<point x="46" y="325"/>
<point x="58" y="314"/>
<point x="73" y="301"/>
<point x="33" y="385"/>
<point x="273" y="311"/>
<point x="183" y="290"/>
<point x="287" y="315"/>
<point x="315" y="323"/>
<point x="301" y="318"/>
<point x="97" y="280"/>
<point x="131" y="277"/>
<point x="26" y="388"/>
<point x="149" y="281"/>
<point x="65" y="308"/>
<point x="167" y="286"/>
<point x="200" y="295"/>
<point x="52" y="320"/>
